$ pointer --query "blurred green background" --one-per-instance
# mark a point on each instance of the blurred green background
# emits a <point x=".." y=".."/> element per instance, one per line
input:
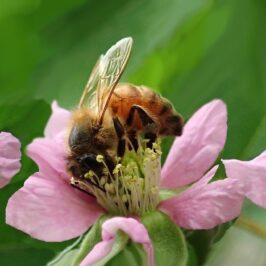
<point x="191" y="51"/>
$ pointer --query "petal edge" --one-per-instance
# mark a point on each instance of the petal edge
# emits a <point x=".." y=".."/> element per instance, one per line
<point x="204" y="207"/>
<point x="195" y="151"/>
<point x="51" y="210"/>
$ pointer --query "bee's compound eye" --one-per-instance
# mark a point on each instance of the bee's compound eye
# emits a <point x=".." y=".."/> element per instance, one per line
<point x="88" y="161"/>
<point x="78" y="136"/>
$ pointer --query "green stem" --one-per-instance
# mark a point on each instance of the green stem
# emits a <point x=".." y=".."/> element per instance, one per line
<point x="250" y="225"/>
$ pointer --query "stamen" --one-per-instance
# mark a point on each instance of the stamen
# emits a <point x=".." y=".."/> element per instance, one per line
<point x="99" y="158"/>
<point x="133" y="186"/>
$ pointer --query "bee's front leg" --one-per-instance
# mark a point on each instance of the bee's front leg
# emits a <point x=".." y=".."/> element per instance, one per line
<point x="120" y="132"/>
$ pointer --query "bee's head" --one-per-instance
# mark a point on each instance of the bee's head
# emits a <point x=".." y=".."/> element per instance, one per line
<point x="80" y="137"/>
<point x="87" y="138"/>
<point x="82" y="130"/>
<point x="88" y="161"/>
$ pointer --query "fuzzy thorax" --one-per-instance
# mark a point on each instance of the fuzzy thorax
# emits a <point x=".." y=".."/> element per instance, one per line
<point x="133" y="186"/>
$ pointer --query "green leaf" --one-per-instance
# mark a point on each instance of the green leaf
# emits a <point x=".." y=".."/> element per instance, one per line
<point x="192" y="256"/>
<point x="218" y="53"/>
<point x="257" y="141"/>
<point x="74" y="52"/>
<point x="24" y="256"/>
<point x="167" y="239"/>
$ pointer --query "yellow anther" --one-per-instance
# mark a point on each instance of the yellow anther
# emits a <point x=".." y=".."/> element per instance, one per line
<point x="112" y="188"/>
<point x="115" y="171"/>
<point x="102" y="180"/>
<point x="141" y="182"/>
<point x="118" y="159"/>
<point x="124" y="198"/>
<point x="154" y="145"/>
<point x="117" y="168"/>
<point x="109" y="188"/>
<point x="99" y="158"/>
<point x="153" y="157"/>
<point x="116" y="199"/>
<point x="127" y="177"/>
<point x="106" y="187"/>
<point x="105" y="171"/>
<point x="154" y="190"/>
<point x="148" y="151"/>
<point x="89" y="174"/>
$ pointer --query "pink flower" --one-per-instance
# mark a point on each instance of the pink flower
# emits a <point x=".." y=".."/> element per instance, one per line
<point x="9" y="157"/>
<point x="48" y="208"/>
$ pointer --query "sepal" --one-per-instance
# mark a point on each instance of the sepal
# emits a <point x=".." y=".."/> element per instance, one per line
<point x="168" y="240"/>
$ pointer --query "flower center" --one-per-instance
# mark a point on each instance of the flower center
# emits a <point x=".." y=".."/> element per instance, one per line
<point x="133" y="186"/>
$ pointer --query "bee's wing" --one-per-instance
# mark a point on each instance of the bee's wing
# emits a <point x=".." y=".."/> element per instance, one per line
<point x="105" y="76"/>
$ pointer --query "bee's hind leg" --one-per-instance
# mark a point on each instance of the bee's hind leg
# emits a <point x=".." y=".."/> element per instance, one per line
<point x="120" y="132"/>
<point x="149" y="125"/>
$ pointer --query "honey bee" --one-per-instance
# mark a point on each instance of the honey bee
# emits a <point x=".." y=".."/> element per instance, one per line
<point x="110" y="117"/>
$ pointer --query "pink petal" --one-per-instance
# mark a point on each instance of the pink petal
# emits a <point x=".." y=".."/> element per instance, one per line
<point x="50" y="209"/>
<point x="50" y="156"/>
<point x="260" y="160"/>
<point x="205" y="206"/>
<point x="134" y="229"/>
<point x="206" y="178"/>
<point x="100" y="250"/>
<point x="252" y="174"/>
<point x="9" y="157"/>
<point x="195" y="151"/>
<point x="57" y="122"/>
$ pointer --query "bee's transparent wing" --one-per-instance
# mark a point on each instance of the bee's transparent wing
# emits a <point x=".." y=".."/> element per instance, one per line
<point x="105" y="76"/>
<point x="89" y="98"/>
